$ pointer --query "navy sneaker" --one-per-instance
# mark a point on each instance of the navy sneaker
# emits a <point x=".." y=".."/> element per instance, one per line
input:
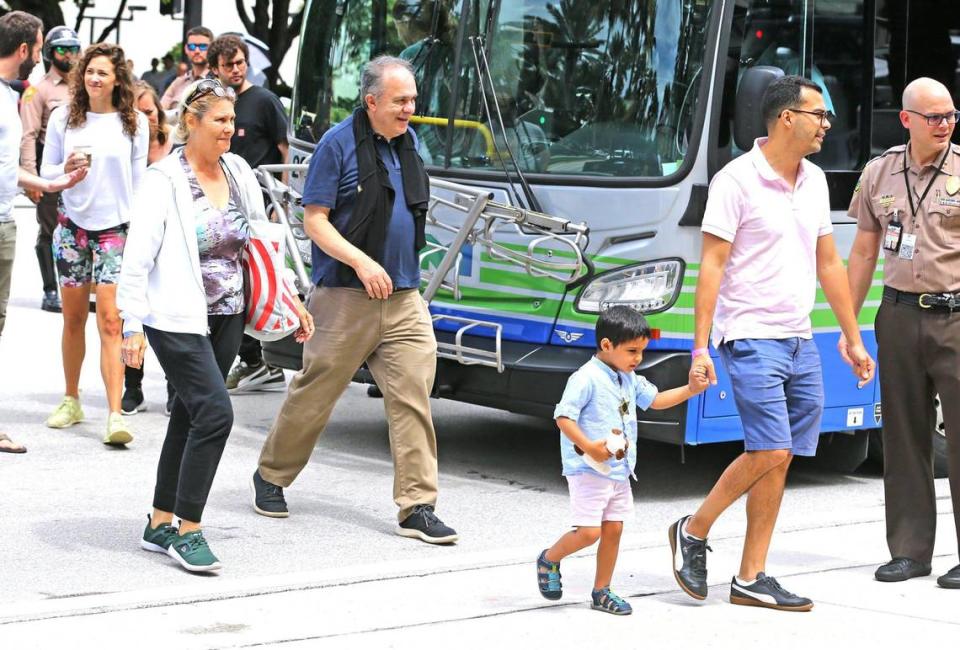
<point x="607" y="601"/>
<point x="548" y="577"/>
<point x="689" y="560"/>
<point x="767" y="592"/>
<point x="268" y="498"/>
<point x="424" y="525"/>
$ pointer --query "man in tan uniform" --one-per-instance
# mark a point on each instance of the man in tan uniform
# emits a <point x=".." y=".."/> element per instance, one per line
<point x="907" y="204"/>
<point x="61" y="47"/>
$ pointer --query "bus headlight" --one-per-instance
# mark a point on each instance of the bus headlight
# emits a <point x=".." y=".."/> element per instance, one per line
<point x="650" y="287"/>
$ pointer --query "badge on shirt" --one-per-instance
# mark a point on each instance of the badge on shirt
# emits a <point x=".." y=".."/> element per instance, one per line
<point x="953" y="185"/>
<point x="886" y="200"/>
<point x="948" y="202"/>
<point x="908" y="246"/>
<point x="891" y="237"/>
<point x="28" y="94"/>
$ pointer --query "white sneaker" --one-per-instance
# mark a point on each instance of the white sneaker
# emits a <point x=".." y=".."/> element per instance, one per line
<point x="247" y="379"/>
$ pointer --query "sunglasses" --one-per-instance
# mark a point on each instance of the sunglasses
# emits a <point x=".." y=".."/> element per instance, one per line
<point x="198" y="46"/>
<point x="207" y="87"/>
<point x="63" y="50"/>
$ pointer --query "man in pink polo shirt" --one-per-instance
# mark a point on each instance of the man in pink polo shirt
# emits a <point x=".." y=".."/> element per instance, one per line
<point x="767" y="238"/>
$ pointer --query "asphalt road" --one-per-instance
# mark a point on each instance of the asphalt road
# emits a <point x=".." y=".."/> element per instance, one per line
<point x="73" y="510"/>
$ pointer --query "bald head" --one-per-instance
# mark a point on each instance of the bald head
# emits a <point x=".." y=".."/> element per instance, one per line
<point x="922" y="93"/>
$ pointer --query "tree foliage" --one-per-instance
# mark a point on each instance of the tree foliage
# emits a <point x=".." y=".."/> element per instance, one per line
<point x="274" y="24"/>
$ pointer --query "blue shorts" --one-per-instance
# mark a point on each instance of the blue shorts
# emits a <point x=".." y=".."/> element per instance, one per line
<point x="778" y="388"/>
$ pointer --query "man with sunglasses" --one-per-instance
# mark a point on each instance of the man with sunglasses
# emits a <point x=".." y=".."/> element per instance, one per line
<point x="194" y="51"/>
<point x="61" y="48"/>
<point x="907" y="204"/>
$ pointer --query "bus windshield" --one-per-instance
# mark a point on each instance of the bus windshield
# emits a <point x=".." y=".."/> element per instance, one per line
<point x="601" y="88"/>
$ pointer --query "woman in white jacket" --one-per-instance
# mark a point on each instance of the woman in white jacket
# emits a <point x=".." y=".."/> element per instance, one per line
<point x="181" y="287"/>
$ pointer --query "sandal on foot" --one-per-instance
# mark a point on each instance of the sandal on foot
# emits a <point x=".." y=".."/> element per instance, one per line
<point x="9" y="446"/>
<point x="548" y="578"/>
<point x="607" y="601"/>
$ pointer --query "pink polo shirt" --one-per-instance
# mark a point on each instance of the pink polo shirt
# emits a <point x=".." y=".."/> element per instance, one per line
<point x="770" y="282"/>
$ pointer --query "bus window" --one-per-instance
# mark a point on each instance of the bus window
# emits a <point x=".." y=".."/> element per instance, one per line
<point x="912" y="38"/>
<point x="822" y="41"/>
<point x="585" y="88"/>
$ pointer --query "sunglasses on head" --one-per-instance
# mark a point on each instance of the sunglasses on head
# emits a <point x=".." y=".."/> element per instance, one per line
<point x="197" y="46"/>
<point x="63" y="50"/>
<point x="207" y="87"/>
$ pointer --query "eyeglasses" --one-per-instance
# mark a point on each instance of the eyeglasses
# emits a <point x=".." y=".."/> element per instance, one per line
<point x="198" y="46"/>
<point x="823" y="116"/>
<point x="207" y="87"/>
<point x="63" y="50"/>
<point x="230" y="65"/>
<point x="934" y="119"/>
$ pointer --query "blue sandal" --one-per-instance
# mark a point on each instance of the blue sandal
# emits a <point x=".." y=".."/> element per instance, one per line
<point x="607" y="601"/>
<point x="548" y="578"/>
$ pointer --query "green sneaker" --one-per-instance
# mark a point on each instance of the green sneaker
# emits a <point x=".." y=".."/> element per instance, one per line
<point x="66" y="415"/>
<point x="158" y="539"/>
<point x="118" y="433"/>
<point x="193" y="553"/>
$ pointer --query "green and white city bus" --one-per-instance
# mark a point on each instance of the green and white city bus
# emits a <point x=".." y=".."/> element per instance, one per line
<point x="578" y="139"/>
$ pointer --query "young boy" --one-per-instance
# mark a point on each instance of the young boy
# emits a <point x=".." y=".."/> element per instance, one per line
<point x="601" y="397"/>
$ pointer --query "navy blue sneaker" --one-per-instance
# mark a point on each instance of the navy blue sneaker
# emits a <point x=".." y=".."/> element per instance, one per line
<point x="548" y="577"/>
<point x="767" y="592"/>
<point x="689" y="560"/>
<point x="609" y="602"/>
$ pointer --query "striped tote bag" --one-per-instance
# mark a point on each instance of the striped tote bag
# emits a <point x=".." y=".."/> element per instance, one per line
<point x="271" y="309"/>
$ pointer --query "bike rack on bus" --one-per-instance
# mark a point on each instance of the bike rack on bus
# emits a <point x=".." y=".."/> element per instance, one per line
<point x="482" y="218"/>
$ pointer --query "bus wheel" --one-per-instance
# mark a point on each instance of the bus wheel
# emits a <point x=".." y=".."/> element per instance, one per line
<point x="875" y="451"/>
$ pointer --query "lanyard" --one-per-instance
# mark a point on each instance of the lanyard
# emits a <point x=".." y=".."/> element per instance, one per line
<point x="933" y="177"/>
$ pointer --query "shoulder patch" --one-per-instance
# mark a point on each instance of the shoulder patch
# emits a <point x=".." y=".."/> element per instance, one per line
<point x="29" y="94"/>
<point x="857" y="186"/>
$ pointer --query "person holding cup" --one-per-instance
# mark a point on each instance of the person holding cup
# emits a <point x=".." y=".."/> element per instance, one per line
<point x="102" y="131"/>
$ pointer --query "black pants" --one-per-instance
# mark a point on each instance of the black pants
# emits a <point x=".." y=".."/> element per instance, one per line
<point x="250" y="351"/>
<point x="202" y="414"/>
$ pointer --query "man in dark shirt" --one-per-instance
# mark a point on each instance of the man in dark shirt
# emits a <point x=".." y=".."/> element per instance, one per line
<point x="260" y="138"/>
<point x="365" y="201"/>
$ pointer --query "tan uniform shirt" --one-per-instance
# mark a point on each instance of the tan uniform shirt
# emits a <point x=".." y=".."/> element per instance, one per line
<point x="881" y="194"/>
<point x="35" y="108"/>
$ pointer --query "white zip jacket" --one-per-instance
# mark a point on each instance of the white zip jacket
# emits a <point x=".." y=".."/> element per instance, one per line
<point x="160" y="282"/>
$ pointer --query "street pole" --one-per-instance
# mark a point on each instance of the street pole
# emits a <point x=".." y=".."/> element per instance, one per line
<point x="192" y="16"/>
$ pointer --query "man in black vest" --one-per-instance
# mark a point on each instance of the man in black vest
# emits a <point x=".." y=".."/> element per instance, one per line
<point x="365" y="202"/>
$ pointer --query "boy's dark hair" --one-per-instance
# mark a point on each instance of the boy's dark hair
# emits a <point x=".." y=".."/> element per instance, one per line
<point x="782" y="94"/>
<point x="620" y="324"/>
<point x="17" y="28"/>
<point x="227" y="47"/>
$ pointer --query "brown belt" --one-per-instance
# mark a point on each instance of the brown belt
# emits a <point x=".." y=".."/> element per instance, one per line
<point x="949" y="302"/>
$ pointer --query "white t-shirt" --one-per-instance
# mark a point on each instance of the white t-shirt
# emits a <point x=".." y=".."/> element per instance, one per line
<point x="770" y="282"/>
<point x="10" y="133"/>
<point x="104" y="199"/>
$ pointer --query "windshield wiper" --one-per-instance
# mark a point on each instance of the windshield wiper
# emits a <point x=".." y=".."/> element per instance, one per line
<point x="486" y="79"/>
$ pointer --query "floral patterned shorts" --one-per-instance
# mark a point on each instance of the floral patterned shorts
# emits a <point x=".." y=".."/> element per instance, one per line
<point x="85" y="256"/>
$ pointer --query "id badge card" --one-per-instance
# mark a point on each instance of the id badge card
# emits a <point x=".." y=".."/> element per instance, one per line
<point x="908" y="246"/>
<point x="892" y="235"/>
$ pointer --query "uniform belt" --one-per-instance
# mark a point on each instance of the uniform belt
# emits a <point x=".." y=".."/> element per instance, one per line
<point x="949" y="302"/>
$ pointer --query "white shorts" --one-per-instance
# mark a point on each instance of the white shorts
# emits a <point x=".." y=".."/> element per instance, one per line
<point x="595" y="499"/>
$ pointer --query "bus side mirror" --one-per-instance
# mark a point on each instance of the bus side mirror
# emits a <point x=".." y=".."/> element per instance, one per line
<point x="748" y="122"/>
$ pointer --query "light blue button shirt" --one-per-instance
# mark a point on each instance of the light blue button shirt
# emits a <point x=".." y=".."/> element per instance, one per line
<point x="592" y="398"/>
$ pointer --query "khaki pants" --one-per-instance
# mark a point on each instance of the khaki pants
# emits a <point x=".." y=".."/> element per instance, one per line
<point x="395" y="338"/>
<point x="919" y="355"/>
<point x="8" y="246"/>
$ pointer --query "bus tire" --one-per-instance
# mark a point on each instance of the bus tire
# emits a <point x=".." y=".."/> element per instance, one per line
<point x="875" y="450"/>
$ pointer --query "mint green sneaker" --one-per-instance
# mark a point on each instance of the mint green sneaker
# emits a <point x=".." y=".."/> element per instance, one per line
<point x="158" y="539"/>
<point x="193" y="553"/>
<point x="118" y="433"/>
<point x="66" y="414"/>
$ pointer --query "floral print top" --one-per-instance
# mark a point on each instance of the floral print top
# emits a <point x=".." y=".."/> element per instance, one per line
<point x="221" y="236"/>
